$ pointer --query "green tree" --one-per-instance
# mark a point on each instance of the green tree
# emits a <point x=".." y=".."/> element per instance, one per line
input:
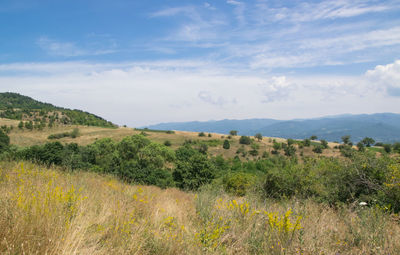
<point x="276" y="147"/>
<point x="258" y="136"/>
<point x="360" y="146"/>
<point x="324" y="144"/>
<point x="306" y="142"/>
<point x="318" y="149"/>
<point x="346" y="139"/>
<point x="4" y="141"/>
<point x="387" y="148"/>
<point x="233" y="132"/>
<point x="289" y="150"/>
<point x="368" y="141"/>
<point x="201" y="134"/>
<point x="313" y="137"/>
<point x="245" y="140"/>
<point x="290" y="141"/>
<point x="29" y="125"/>
<point x="226" y="145"/>
<point x="254" y="149"/>
<point x="193" y="173"/>
<point x="21" y="125"/>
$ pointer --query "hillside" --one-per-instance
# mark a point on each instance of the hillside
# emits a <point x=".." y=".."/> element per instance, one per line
<point x="23" y="108"/>
<point x="383" y="127"/>
<point x="89" y="135"/>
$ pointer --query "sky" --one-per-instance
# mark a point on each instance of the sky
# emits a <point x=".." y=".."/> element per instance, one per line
<point x="145" y="62"/>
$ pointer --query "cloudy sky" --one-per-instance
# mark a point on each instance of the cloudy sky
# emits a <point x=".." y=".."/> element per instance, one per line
<point x="145" y="62"/>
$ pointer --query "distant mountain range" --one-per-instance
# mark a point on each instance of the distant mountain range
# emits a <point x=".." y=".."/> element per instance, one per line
<point x="383" y="127"/>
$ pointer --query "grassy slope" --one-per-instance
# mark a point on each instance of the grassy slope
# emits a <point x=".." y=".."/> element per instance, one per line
<point x="47" y="211"/>
<point x="90" y="134"/>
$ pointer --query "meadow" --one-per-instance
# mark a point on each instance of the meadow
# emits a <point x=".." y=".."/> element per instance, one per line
<point x="51" y="211"/>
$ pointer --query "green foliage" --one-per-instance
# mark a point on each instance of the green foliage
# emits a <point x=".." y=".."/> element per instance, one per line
<point x="289" y="150"/>
<point x="324" y="144"/>
<point x="368" y="141"/>
<point x="201" y="134"/>
<point x="396" y="147"/>
<point x="306" y="142"/>
<point x="194" y="172"/>
<point x="233" y="132"/>
<point x="73" y="134"/>
<point x="276" y="147"/>
<point x="167" y="143"/>
<point x="387" y="148"/>
<point x="20" y="107"/>
<point x="4" y="141"/>
<point x="346" y="139"/>
<point x="318" y="149"/>
<point x="245" y="140"/>
<point x="238" y="183"/>
<point x="226" y="145"/>
<point x="290" y="141"/>
<point x="29" y="125"/>
<point x="313" y="137"/>
<point x="258" y="136"/>
<point x="360" y="146"/>
<point x="254" y="149"/>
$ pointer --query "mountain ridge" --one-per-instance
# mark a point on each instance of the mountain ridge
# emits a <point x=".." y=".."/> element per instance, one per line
<point x="383" y="127"/>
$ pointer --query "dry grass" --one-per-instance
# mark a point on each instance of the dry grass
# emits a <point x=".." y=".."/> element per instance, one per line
<point x="47" y="211"/>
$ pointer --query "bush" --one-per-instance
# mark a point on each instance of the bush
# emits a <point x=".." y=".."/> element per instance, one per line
<point x="167" y="143"/>
<point x="194" y="172"/>
<point x="4" y="141"/>
<point x="238" y="183"/>
<point x="201" y="134"/>
<point x="226" y="145"/>
<point x="318" y="149"/>
<point x="245" y="140"/>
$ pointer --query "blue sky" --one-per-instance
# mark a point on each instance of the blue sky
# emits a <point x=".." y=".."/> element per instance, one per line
<point x="144" y="62"/>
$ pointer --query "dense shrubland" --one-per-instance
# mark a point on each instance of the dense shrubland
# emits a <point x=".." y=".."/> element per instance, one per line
<point x="360" y="177"/>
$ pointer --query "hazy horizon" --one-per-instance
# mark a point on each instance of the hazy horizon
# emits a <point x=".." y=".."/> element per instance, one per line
<point x="142" y="63"/>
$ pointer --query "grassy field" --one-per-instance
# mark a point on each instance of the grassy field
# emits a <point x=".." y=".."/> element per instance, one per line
<point x="89" y="135"/>
<point x="48" y="211"/>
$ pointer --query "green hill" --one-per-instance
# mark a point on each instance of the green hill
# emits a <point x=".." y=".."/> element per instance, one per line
<point x="19" y="107"/>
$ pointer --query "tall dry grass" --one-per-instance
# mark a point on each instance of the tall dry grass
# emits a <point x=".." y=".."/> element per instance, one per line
<point x="47" y="211"/>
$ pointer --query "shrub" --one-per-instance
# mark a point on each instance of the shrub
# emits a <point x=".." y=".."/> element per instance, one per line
<point x="4" y="141"/>
<point x="324" y="144"/>
<point x="238" y="183"/>
<point x="245" y="140"/>
<point x="201" y="134"/>
<point x="226" y="145"/>
<point x="258" y="136"/>
<point x="167" y="143"/>
<point x="194" y="172"/>
<point x="233" y="132"/>
<point x="318" y="149"/>
<point x="387" y="148"/>
<point x="306" y="142"/>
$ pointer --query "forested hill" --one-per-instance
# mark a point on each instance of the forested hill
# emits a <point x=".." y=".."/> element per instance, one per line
<point x="19" y="107"/>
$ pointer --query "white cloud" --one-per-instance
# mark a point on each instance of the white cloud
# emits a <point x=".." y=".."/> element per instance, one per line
<point x="387" y="77"/>
<point x="142" y="93"/>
